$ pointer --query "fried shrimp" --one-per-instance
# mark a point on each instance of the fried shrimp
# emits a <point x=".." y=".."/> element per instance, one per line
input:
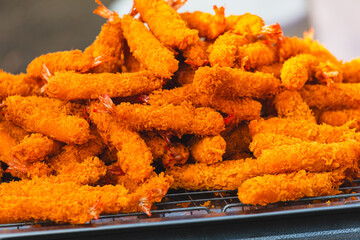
<point x="73" y="86"/>
<point x="256" y="54"/>
<point x="209" y="149"/>
<point x="267" y="189"/>
<point x="16" y="85"/>
<point x="289" y="104"/>
<point x="149" y="51"/>
<point x="209" y="26"/>
<point x="351" y="71"/>
<point x="47" y="116"/>
<point x="175" y="33"/>
<point x="183" y="119"/>
<point x="348" y="117"/>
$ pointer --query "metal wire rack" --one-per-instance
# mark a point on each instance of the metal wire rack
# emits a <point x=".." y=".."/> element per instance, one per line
<point x="184" y="205"/>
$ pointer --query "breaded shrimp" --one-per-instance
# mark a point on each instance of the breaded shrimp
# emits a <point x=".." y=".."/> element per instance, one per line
<point x="72" y="86"/>
<point x="47" y="116"/>
<point x="222" y="175"/>
<point x="134" y="157"/>
<point x="348" y="117"/>
<point x="183" y="119"/>
<point x="14" y="131"/>
<point x="244" y="24"/>
<point x="275" y="69"/>
<point x="256" y="54"/>
<point x="16" y="85"/>
<point x="341" y="95"/>
<point x="263" y="141"/>
<point x="209" y="26"/>
<point x="267" y="189"/>
<point x="223" y="51"/>
<point x="174" y="33"/>
<point x="235" y="83"/>
<point x="209" y="149"/>
<point x="44" y="199"/>
<point x="195" y="54"/>
<point x="169" y="154"/>
<point x="149" y="51"/>
<point x="291" y="46"/>
<point x="351" y="71"/>
<point x="302" y="129"/>
<point x="289" y="104"/>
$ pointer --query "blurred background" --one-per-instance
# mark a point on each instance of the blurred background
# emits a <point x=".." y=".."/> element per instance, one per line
<point x="31" y="28"/>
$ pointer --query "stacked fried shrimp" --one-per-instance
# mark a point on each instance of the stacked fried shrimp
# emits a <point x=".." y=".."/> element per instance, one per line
<point x="163" y="100"/>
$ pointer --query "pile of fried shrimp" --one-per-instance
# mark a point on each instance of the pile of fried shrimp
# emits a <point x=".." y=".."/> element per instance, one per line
<point x="166" y="100"/>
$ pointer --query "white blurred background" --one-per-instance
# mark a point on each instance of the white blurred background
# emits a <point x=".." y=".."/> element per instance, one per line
<point x="31" y="28"/>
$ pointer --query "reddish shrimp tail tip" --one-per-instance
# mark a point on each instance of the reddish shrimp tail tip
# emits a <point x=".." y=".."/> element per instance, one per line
<point x="229" y="119"/>
<point x="104" y="11"/>
<point x="107" y="102"/>
<point x="145" y="206"/>
<point x="144" y="98"/>
<point x="219" y="11"/>
<point x="176" y="4"/>
<point x="96" y="209"/>
<point x="309" y="34"/>
<point x="45" y="72"/>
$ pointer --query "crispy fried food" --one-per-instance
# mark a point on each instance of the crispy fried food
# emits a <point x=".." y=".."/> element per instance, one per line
<point x="275" y="69"/>
<point x="237" y="141"/>
<point x="134" y="157"/>
<point x="35" y="148"/>
<point x="309" y="156"/>
<point x="341" y="95"/>
<point x="107" y="49"/>
<point x="200" y="176"/>
<point x="267" y="189"/>
<point x="224" y="50"/>
<point x="209" y="26"/>
<point x="89" y="171"/>
<point x="235" y="83"/>
<point x="239" y="108"/>
<point x="302" y="129"/>
<point x="256" y="54"/>
<point x="351" y="71"/>
<point x="348" y="117"/>
<point x="182" y="119"/>
<point x="174" y="33"/>
<point x="14" y="131"/>
<point x="297" y="70"/>
<point x="149" y="51"/>
<point x="45" y="199"/>
<point x="289" y="104"/>
<point x="246" y="24"/>
<point x="196" y="54"/>
<point x="73" y="86"/>
<point x="292" y="46"/>
<point x="131" y="64"/>
<point x="209" y="149"/>
<point x="185" y="75"/>
<point x="47" y="116"/>
<point x="16" y="85"/>
<point x="169" y="154"/>
<point x="263" y="141"/>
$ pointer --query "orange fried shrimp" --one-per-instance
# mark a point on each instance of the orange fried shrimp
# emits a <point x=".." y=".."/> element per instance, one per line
<point x="348" y="117"/>
<point x="107" y="49"/>
<point x="221" y="175"/>
<point x="267" y="189"/>
<point x="224" y="50"/>
<point x="35" y="148"/>
<point x="237" y="141"/>
<point x="275" y="69"/>
<point x="290" y="47"/>
<point x="89" y="171"/>
<point x="47" y="116"/>
<point x="302" y="129"/>
<point x="131" y="64"/>
<point x="169" y="154"/>
<point x="72" y="154"/>
<point x="351" y="71"/>
<point x="297" y="70"/>
<point x="309" y="156"/>
<point x="209" y="26"/>
<point x="328" y="73"/>
<point x="174" y="33"/>
<point x="341" y="95"/>
<point x="256" y="54"/>
<point x="209" y="149"/>
<point x="45" y="199"/>
<point x="195" y="54"/>
<point x="235" y="83"/>
<point x="149" y="51"/>
<point x="263" y="141"/>
<point x="14" y="131"/>
<point x="15" y="85"/>
<point x="244" y="24"/>
<point x="72" y="86"/>
<point x="134" y="157"/>
<point x="289" y="104"/>
<point x="182" y="119"/>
